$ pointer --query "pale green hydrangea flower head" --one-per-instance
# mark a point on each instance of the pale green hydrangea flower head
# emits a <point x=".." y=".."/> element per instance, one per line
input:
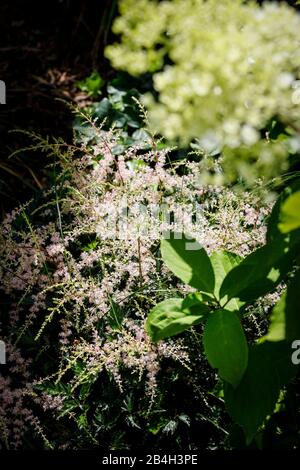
<point x="222" y="70"/>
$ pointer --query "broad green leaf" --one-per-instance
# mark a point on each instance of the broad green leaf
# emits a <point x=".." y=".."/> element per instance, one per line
<point x="276" y="330"/>
<point x="188" y="261"/>
<point x="225" y="345"/>
<point x="285" y="318"/>
<point x="290" y="213"/>
<point x="269" y="369"/>
<point x="173" y="316"/>
<point x="102" y="109"/>
<point x="260" y="272"/>
<point x="273" y="231"/>
<point x="223" y="262"/>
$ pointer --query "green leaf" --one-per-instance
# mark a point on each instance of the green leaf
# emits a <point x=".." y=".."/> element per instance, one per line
<point x="141" y="136"/>
<point x="136" y="165"/>
<point x="273" y="231"/>
<point x="269" y="369"/>
<point x="285" y="318"/>
<point x="260" y="272"/>
<point x="90" y="246"/>
<point x="92" y="84"/>
<point x="225" y="345"/>
<point x="115" y="316"/>
<point x="173" y="316"/>
<point x="102" y="109"/>
<point x="223" y="262"/>
<point x="276" y="330"/>
<point x="188" y="261"/>
<point x="290" y="213"/>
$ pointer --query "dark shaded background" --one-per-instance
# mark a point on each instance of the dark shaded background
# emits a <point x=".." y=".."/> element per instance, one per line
<point x="45" y="47"/>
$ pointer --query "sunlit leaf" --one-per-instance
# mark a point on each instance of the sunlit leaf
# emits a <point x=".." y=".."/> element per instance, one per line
<point x="225" y="345"/>
<point x="188" y="261"/>
<point x="173" y="316"/>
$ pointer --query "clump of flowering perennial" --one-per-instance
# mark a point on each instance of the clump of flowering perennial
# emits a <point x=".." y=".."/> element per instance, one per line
<point x="81" y="270"/>
<point x="131" y="347"/>
<point x="16" y="414"/>
<point x="231" y="68"/>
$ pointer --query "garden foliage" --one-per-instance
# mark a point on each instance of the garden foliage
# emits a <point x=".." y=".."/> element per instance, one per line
<point x="144" y="308"/>
<point x="253" y="375"/>
<point x="78" y="282"/>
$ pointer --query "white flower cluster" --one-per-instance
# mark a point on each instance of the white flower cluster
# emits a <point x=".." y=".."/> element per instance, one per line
<point x="223" y="71"/>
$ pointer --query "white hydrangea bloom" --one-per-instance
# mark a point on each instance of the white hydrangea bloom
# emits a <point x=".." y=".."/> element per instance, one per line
<point x="231" y="68"/>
